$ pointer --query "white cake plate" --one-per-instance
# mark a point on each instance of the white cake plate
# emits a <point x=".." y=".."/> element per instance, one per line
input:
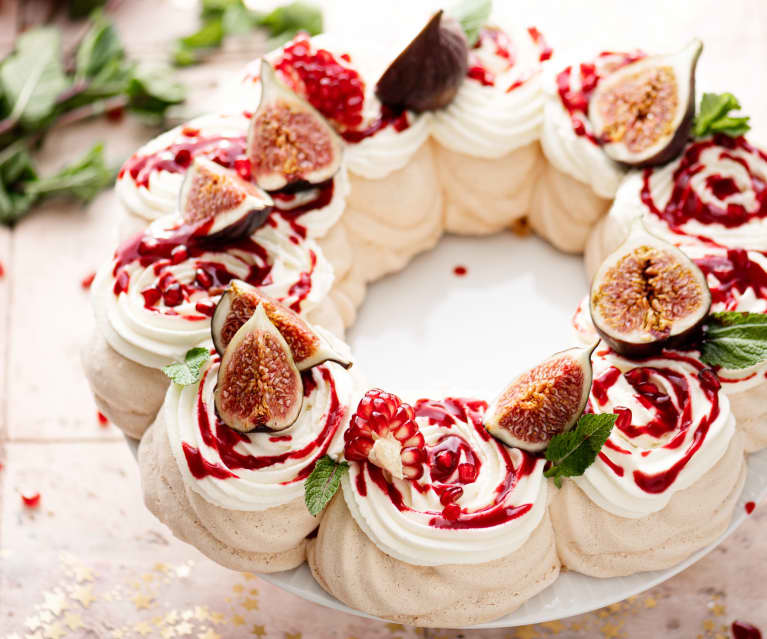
<point x="427" y="332"/>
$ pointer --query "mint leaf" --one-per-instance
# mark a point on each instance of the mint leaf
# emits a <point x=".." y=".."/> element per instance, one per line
<point x="734" y="340"/>
<point x="285" y="22"/>
<point x="571" y="453"/>
<point x="712" y="116"/>
<point x="152" y="90"/>
<point x="83" y="180"/>
<point x="323" y="483"/>
<point x="100" y="47"/>
<point x="472" y="15"/>
<point x="16" y="170"/>
<point x="190" y="370"/>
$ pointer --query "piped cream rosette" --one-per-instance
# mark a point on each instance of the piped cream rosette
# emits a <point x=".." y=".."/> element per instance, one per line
<point x="153" y="302"/>
<point x="667" y="480"/>
<point x="239" y="497"/>
<point x="466" y="540"/>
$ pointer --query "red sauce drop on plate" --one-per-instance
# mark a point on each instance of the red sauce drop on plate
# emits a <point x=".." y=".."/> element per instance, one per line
<point x="30" y="500"/>
<point x="460" y="271"/>
<point x="750" y="507"/>
<point x="103" y="421"/>
<point x="87" y="281"/>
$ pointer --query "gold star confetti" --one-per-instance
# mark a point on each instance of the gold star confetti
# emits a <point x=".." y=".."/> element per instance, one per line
<point x="650" y="602"/>
<point x="55" y="602"/>
<point x="118" y="633"/>
<point x="143" y="628"/>
<point x="611" y="631"/>
<point x="259" y="631"/>
<point x="708" y="625"/>
<point x="82" y="573"/>
<point x="395" y="627"/>
<point x="167" y="632"/>
<point x="238" y="620"/>
<point x="187" y="614"/>
<point x="238" y="588"/>
<point x="254" y="591"/>
<point x="250" y="604"/>
<point x="84" y="594"/>
<point x="73" y="621"/>
<point x="161" y="567"/>
<point x="526" y="632"/>
<point x="248" y="576"/>
<point x="292" y="635"/>
<point x="141" y="601"/>
<point x="171" y="617"/>
<point x="54" y="631"/>
<point x="209" y="634"/>
<point x="201" y="613"/>
<point x="148" y="577"/>
<point x="555" y="626"/>
<point x="184" y="628"/>
<point x="718" y="610"/>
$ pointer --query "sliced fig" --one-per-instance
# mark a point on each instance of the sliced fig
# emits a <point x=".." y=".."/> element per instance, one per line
<point x="259" y="385"/>
<point x="289" y="141"/>
<point x="427" y="74"/>
<point x="212" y="191"/>
<point x="648" y="295"/>
<point x="384" y="432"/>
<point x="643" y="112"/>
<point x="237" y="305"/>
<point x="542" y="402"/>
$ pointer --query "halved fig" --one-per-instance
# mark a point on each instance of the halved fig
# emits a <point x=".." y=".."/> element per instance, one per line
<point x="643" y="112"/>
<point x="427" y="74"/>
<point x="542" y="402"/>
<point x="648" y="295"/>
<point x="212" y="191"/>
<point x="259" y="385"/>
<point x="237" y="305"/>
<point x="289" y="141"/>
<point x="384" y="432"/>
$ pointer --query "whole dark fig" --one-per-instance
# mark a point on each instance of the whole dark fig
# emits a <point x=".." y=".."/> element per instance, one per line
<point x="643" y="112"/>
<point x="427" y="74"/>
<point x="648" y="295"/>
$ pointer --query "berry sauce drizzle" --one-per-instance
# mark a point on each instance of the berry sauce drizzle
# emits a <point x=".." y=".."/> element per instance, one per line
<point x="720" y="208"/>
<point x="224" y="441"/>
<point x="735" y="273"/>
<point x="672" y="416"/>
<point x="575" y="99"/>
<point x="453" y="464"/>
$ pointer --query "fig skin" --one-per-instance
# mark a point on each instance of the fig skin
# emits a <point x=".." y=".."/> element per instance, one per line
<point x="668" y="146"/>
<point x="289" y="141"/>
<point x="237" y="207"/>
<point x="540" y="395"/>
<point x="259" y="385"/>
<point x="644" y="261"/>
<point x="427" y="74"/>
<point x="240" y="301"/>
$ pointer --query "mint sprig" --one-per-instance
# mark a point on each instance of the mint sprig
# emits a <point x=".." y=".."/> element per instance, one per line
<point x="571" y="453"/>
<point x="323" y="483"/>
<point x="734" y="340"/>
<point x="472" y="15"/>
<point x="190" y="370"/>
<point x="713" y="116"/>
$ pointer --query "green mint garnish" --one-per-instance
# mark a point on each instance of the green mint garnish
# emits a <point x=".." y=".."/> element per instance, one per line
<point x="472" y="15"/>
<point x="323" y="483"/>
<point x="190" y="370"/>
<point x="571" y="453"/>
<point x="713" y="116"/>
<point x="734" y="340"/>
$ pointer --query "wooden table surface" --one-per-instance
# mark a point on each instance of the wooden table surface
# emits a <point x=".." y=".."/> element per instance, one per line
<point x="90" y="561"/>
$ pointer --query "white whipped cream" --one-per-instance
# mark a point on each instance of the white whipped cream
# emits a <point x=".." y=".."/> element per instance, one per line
<point x="317" y="431"/>
<point x="408" y="536"/>
<point x="576" y="155"/>
<point x="490" y="121"/>
<point x="159" y="335"/>
<point x="714" y="162"/>
<point x="621" y="495"/>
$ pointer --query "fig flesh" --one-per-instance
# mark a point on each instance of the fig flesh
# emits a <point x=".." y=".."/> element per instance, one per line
<point x="289" y="141"/>
<point x="427" y="74"/>
<point x="237" y="207"/>
<point x="237" y="305"/>
<point x="542" y="402"/>
<point x="648" y="295"/>
<point x="259" y="385"/>
<point x="643" y="112"/>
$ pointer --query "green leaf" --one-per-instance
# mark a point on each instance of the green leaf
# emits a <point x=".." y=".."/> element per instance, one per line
<point x="152" y="90"/>
<point x="217" y="8"/>
<point x="734" y="340"/>
<point x="571" y="453"/>
<point x="472" y="15"/>
<point x="288" y="20"/>
<point x="82" y="8"/>
<point x="190" y="370"/>
<point x="83" y="180"/>
<point x="32" y="77"/>
<point x="16" y="169"/>
<point x="712" y="116"/>
<point x="99" y="48"/>
<point x="323" y="483"/>
<point x="238" y="20"/>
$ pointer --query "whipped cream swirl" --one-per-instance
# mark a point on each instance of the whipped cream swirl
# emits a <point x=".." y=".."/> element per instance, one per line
<point x="499" y="106"/>
<point x="501" y="492"/>
<point x="674" y="425"/>
<point x="153" y="301"/>
<point x="567" y="138"/>
<point x="149" y="183"/>
<point x="715" y="192"/>
<point x="259" y="470"/>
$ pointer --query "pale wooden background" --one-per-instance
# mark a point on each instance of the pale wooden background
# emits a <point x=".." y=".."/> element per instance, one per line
<point x="91" y="562"/>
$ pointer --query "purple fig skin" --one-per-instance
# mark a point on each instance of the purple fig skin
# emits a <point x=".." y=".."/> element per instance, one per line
<point x="427" y="74"/>
<point x="243" y="227"/>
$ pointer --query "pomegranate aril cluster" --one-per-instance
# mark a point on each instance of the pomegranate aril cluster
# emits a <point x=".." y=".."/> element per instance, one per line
<point x="383" y="415"/>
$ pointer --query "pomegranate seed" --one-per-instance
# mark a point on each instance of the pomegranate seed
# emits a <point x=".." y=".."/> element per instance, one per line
<point x="115" y="114"/>
<point x="151" y="297"/>
<point x="203" y="279"/>
<point x="31" y="500"/>
<point x="467" y="473"/>
<point x="86" y="282"/>
<point x="445" y="460"/>
<point x="103" y="421"/>
<point x="451" y="512"/>
<point x="750" y="507"/>
<point x="183" y="158"/>
<point x="173" y="295"/>
<point x="121" y="283"/>
<point x="450" y="494"/>
<point x="624" y="417"/>
<point x="178" y="254"/>
<point x="205" y="308"/>
<point x="242" y="166"/>
<point x="481" y="75"/>
<point x="709" y="379"/>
